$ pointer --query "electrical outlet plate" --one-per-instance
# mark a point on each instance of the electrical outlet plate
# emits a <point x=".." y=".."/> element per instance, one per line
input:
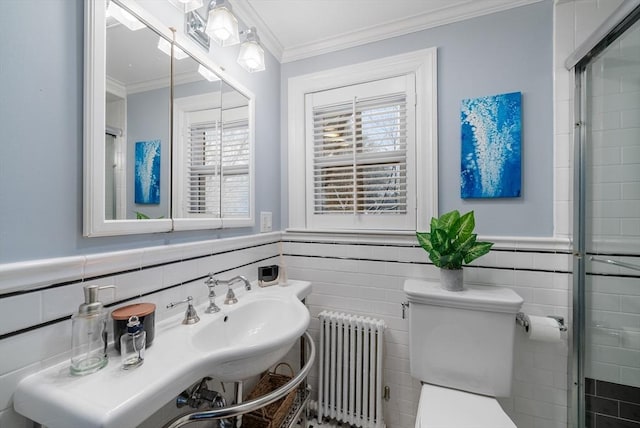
<point x="265" y="221"/>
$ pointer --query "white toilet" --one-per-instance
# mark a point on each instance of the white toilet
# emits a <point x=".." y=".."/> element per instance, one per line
<point x="461" y="349"/>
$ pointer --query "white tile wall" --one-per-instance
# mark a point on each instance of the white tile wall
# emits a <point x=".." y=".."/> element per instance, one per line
<point x="365" y="279"/>
<point x="613" y="325"/>
<point x="616" y="161"/>
<point x="374" y="288"/>
<point x="574" y="21"/>
<point x="32" y="350"/>
<point x="612" y="320"/>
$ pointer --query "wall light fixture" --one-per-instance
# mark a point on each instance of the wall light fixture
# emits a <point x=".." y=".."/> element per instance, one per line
<point x="222" y="25"/>
<point x="251" y="55"/>
<point x="194" y="27"/>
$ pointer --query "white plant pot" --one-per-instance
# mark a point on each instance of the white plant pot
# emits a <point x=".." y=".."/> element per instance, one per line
<point x="451" y="279"/>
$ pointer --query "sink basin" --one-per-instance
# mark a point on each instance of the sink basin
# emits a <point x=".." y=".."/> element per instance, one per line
<point x="252" y="335"/>
<point x="240" y="341"/>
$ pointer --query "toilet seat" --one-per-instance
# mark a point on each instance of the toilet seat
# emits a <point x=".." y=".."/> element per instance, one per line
<point x="442" y="407"/>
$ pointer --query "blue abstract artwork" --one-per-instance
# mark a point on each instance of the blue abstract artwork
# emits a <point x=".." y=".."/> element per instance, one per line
<point x="147" y="172"/>
<point x="491" y="146"/>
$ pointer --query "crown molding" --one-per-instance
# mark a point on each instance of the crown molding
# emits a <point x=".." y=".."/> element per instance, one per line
<point x="446" y="15"/>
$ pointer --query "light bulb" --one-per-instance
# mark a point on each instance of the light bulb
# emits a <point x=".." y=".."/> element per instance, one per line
<point x="251" y="56"/>
<point x="222" y="26"/>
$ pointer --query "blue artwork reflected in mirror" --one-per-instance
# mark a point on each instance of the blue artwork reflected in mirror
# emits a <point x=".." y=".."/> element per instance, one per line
<point x="147" y="173"/>
<point x="491" y="146"/>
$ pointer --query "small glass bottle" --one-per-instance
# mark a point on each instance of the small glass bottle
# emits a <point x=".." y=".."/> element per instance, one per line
<point x="132" y="344"/>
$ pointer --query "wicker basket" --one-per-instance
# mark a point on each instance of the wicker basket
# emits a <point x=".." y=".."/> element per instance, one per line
<point x="272" y="415"/>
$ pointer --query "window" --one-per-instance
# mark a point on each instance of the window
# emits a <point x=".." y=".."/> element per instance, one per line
<point x="365" y="157"/>
<point x="213" y="159"/>
<point x="235" y="166"/>
<point x="201" y="188"/>
<point x="358" y="138"/>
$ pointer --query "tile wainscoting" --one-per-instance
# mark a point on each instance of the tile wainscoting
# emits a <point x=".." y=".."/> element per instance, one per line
<point x="365" y="276"/>
<point x="38" y="298"/>
<point x="354" y="273"/>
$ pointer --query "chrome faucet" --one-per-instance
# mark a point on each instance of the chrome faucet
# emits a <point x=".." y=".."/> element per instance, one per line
<point x="230" y="298"/>
<point x="190" y="316"/>
<point x="211" y="283"/>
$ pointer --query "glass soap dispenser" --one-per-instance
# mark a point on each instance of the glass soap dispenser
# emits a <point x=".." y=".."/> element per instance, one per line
<point x="89" y="333"/>
<point x="133" y="344"/>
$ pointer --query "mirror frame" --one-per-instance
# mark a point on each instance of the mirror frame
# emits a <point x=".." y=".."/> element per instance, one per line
<point x="94" y="222"/>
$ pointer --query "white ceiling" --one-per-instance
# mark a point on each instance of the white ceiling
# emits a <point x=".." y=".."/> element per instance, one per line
<point x="296" y="29"/>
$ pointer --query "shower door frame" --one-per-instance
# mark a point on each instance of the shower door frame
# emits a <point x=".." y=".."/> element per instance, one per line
<point x="578" y="415"/>
<point x="577" y="412"/>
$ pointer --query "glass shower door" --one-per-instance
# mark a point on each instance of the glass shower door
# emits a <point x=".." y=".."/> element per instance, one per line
<point x="610" y="212"/>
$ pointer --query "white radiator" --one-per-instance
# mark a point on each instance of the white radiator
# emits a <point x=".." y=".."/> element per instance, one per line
<point x="350" y="366"/>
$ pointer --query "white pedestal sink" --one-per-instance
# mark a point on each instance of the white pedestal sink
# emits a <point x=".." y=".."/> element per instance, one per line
<point x="251" y="337"/>
<point x="238" y="342"/>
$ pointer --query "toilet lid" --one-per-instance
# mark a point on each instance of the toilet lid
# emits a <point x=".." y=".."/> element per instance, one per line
<point x="442" y="407"/>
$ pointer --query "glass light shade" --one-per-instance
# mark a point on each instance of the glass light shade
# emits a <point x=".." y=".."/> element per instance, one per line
<point x="165" y="46"/>
<point x="207" y="74"/>
<point x="251" y="56"/>
<point x="222" y="27"/>
<point x="124" y="17"/>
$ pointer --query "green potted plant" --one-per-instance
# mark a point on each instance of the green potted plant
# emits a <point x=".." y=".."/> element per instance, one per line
<point x="450" y="243"/>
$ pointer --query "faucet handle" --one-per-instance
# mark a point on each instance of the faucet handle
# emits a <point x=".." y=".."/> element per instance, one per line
<point x="211" y="281"/>
<point x="190" y="316"/>
<point x="212" y="308"/>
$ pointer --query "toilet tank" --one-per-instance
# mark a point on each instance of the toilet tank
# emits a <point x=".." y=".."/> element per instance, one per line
<point x="464" y="339"/>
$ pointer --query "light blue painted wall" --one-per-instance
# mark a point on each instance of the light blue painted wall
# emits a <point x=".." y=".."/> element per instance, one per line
<point x="41" y="118"/>
<point x="41" y="79"/>
<point x="504" y="52"/>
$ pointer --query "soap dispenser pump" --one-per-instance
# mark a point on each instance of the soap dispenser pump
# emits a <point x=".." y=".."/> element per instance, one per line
<point x="89" y="333"/>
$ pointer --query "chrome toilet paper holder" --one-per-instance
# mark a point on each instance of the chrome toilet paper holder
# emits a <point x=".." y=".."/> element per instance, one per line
<point x="521" y="319"/>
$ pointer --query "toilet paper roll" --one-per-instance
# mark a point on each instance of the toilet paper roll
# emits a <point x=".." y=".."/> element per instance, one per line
<point x="543" y="329"/>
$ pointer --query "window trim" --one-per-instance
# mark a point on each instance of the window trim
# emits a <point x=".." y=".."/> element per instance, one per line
<point x="424" y="64"/>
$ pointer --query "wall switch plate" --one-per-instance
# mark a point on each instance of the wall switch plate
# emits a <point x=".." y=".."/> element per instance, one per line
<point x="265" y="221"/>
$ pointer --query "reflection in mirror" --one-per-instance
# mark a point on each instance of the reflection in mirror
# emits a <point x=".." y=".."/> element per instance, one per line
<point x="236" y="162"/>
<point x="197" y="113"/>
<point x="211" y="150"/>
<point x="192" y="172"/>
<point x="137" y="113"/>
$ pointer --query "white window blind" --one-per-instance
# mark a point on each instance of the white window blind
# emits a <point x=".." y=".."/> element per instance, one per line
<point x="217" y="166"/>
<point x="235" y="168"/>
<point x="360" y="144"/>
<point x="202" y="195"/>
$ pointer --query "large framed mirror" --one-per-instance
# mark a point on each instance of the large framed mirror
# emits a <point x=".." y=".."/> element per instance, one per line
<point x="168" y="141"/>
